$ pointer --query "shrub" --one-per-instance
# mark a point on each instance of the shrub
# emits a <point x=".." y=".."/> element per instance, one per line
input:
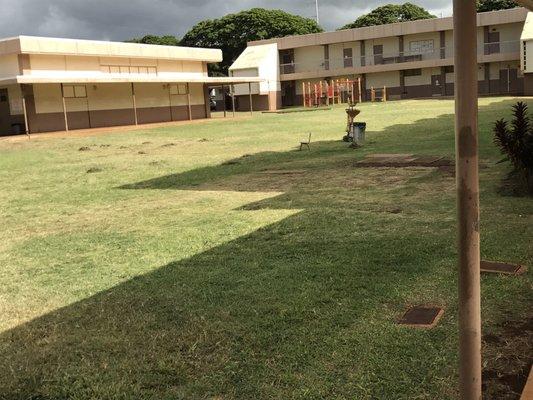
<point x="516" y="142"/>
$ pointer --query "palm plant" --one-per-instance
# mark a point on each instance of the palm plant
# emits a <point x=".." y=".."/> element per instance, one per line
<point x="516" y="142"/>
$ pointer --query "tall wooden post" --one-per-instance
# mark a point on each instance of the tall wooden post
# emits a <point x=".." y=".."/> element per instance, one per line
<point x="134" y="104"/>
<point x="384" y="94"/>
<point x="359" y="88"/>
<point x="304" y="94"/>
<point x="466" y="144"/>
<point x="251" y="101"/>
<point x="189" y="107"/>
<point x="64" y="107"/>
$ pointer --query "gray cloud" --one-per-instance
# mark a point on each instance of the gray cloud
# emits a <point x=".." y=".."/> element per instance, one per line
<point x="124" y="19"/>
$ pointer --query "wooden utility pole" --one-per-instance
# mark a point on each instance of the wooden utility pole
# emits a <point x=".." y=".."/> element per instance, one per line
<point x="466" y="154"/>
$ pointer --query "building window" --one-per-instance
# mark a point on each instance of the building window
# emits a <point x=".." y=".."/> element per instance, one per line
<point x="448" y="69"/>
<point x="74" y="91"/>
<point x="412" y="72"/>
<point x="421" y="46"/>
<point x="127" y="69"/>
<point x="348" y="58"/>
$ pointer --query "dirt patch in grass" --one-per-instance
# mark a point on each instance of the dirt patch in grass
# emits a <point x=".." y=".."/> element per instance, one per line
<point x="84" y="148"/>
<point x="508" y="359"/>
<point x="94" y="170"/>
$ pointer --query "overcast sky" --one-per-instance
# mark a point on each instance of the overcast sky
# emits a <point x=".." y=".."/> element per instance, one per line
<point x="125" y="19"/>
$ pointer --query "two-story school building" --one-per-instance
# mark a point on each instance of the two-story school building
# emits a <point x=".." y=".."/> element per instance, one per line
<point x="49" y="84"/>
<point x="411" y="59"/>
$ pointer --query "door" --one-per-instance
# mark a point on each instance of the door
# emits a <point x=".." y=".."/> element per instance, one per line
<point x="436" y="85"/>
<point x="5" y="114"/>
<point x="288" y="93"/>
<point x="378" y="54"/>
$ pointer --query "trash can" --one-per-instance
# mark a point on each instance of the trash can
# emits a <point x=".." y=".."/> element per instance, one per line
<point x="359" y="129"/>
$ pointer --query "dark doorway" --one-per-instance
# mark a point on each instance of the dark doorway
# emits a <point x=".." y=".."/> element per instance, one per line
<point x="436" y="85"/>
<point x="509" y="83"/>
<point x="5" y="113"/>
<point x="288" y="93"/>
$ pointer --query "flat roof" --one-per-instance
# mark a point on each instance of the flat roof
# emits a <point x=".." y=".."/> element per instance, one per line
<point x="98" y="48"/>
<point x="122" y="78"/>
<point x="512" y="15"/>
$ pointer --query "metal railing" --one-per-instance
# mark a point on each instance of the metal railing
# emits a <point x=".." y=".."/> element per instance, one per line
<point x="322" y="65"/>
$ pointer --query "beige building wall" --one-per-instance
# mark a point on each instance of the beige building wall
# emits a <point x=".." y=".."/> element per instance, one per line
<point x="54" y="65"/>
<point x="424" y="79"/>
<point x="307" y="58"/>
<point x="113" y="96"/>
<point x="390" y="46"/>
<point x="336" y="54"/>
<point x="380" y="79"/>
<point x="9" y="66"/>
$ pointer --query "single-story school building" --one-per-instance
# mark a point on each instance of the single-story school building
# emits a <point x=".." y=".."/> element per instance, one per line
<point x="50" y="84"/>
<point x="412" y="59"/>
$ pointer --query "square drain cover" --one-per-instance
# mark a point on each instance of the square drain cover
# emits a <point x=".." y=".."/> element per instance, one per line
<point x="422" y="316"/>
<point x="501" y="268"/>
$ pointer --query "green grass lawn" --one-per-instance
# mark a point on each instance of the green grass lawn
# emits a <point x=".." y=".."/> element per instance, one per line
<point x="172" y="263"/>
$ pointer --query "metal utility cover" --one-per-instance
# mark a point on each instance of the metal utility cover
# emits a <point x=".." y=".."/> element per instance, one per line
<point x="422" y="316"/>
<point x="501" y="268"/>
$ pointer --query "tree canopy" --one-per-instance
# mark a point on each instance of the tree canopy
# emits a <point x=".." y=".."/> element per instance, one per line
<point x="167" y="40"/>
<point x="389" y="14"/>
<point x="232" y="32"/>
<point x="493" y="5"/>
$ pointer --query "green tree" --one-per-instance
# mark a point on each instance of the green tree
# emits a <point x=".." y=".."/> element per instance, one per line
<point x="389" y="14"/>
<point x="232" y="32"/>
<point x="492" y="5"/>
<point x="167" y="40"/>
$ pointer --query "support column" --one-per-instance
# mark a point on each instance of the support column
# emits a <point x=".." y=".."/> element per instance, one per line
<point x="134" y="103"/>
<point x="251" y="101"/>
<point x="400" y="48"/>
<point x="189" y="107"/>
<point x="64" y="107"/>
<point x="224" y="99"/>
<point x="466" y="150"/>
<point x="233" y="100"/>
<point x="25" y="111"/>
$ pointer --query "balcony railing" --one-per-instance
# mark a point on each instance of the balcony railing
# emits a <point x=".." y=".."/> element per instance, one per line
<point x="322" y="65"/>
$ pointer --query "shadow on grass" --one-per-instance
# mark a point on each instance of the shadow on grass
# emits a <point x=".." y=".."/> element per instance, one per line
<point x="303" y="308"/>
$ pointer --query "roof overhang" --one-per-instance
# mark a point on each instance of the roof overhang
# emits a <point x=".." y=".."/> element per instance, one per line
<point x="31" y="79"/>
<point x="97" y="48"/>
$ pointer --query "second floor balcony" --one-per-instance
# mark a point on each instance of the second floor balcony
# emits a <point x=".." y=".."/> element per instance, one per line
<point x="351" y="64"/>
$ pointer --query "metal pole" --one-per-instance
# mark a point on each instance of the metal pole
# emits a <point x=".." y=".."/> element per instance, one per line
<point x="64" y="108"/>
<point x="466" y="143"/>
<point x="251" y="103"/>
<point x="134" y="103"/>
<point x="233" y="99"/>
<point x="189" y="108"/>
<point x="316" y="9"/>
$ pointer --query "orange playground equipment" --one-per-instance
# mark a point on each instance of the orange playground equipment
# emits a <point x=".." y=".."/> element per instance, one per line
<point x="334" y="91"/>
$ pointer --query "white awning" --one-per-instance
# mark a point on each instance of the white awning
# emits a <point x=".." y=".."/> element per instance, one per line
<point x="130" y="78"/>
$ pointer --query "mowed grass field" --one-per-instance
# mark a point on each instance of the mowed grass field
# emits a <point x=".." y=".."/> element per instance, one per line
<point x="215" y="261"/>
